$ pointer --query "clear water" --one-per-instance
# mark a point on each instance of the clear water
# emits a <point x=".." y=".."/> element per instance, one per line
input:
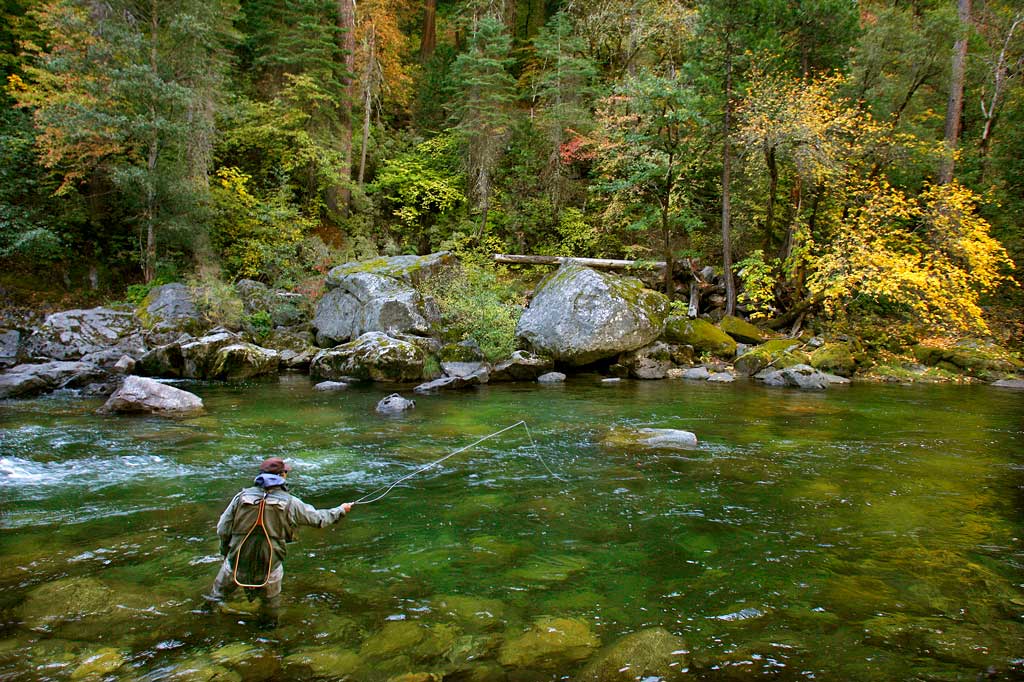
<point x="864" y="533"/>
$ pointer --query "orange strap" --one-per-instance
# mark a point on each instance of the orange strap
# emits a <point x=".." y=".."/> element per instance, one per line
<point x="270" y="562"/>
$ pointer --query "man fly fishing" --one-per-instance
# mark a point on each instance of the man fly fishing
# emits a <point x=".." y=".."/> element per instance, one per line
<point x="254" y="530"/>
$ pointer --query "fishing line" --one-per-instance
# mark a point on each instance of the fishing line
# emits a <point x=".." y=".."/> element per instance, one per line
<point x="388" y="488"/>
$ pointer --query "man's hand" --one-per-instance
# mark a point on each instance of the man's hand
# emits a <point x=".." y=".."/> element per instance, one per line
<point x="346" y="508"/>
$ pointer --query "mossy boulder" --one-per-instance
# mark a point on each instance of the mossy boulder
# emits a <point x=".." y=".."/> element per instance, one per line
<point x="69" y="599"/>
<point x="701" y="334"/>
<point x="579" y="316"/>
<point x="741" y="330"/>
<point x="835" y="358"/>
<point x="550" y="644"/>
<point x="413" y="270"/>
<point x="969" y="356"/>
<point x="778" y="354"/>
<point x="521" y="366"/>
<point x="170" y="308"/>
<point x="323" y="662"/>
<point x="198" y="356"/>
<point x="409" y="638"/>
<point x="240" y="361"/>
<point x="654" y="653"/>
<point x="374" y="356"/>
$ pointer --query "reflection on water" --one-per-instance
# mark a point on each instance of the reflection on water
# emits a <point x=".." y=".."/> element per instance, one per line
<point x="867" y="533"/>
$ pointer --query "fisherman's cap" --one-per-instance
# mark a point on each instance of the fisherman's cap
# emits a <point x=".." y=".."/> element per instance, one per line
<point x="275" y="465"/>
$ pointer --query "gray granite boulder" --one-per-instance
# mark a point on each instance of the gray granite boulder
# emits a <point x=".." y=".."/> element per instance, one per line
<point x="651" y="654"/>
<point x="364" y="302"/>
<point x="394" y="404"/>
<point x="805" y="377"/>
<point x="551" y="378"/>
<point x="71" y="334"/>
<point x="163" y="361"/>
<point x="10" y="344"/>
<point x="373" y="356"/>
<point x="412" y="270"/>
<point x="239" y="361"/>
<point x="649" y="362"/>
<point x="330" y="386"/>
<point x="171" y="308"/>
<point x="27" y="380"/>
<point x="521" y="366"/>
<point x="579" y="316"/>
<point x="200" y="355"/>
<point x="696" y="373"/>
<point x="1009" y="383"/>
<point x="149" y="396"/>
<point x="721" y="378"/>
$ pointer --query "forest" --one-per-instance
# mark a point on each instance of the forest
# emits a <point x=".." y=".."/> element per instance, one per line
<point x="861" y="162"/>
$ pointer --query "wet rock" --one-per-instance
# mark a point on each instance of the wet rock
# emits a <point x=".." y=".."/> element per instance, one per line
<point x="805" y="377"/>
<point x="551" y="378"/>
<point x="448" y="383"/>
<point x="148" y="396"/>
<point x="579" y="315"/>
<point x="199" y="669"/>
<point x="409" y="638"/>
<point x="771" y="377"/>
<point x="25" y="381"/>
<point x="252" y="663"/>
<point x="741" y="330"/>
<point x="610" y="381"/>
<point x="171" y="308"/>
<point x="521" y="366"/>
<point x="239" y="361"/>
<point x="374" y="356"/>
<point x="721" y="378"/>
<point x="328" y="386"/>
<point x="394" y="404"/>
<point x="98" y="663"/>
<point x="777" y="354"/>
<point x="696" y="373"/>
<point x="71" y="334"/>
<point x="363" y="302"/>
<point x="650" y="439"/>
<point x="652" y="654"/>
<point x="69" y="599"/>
<point x="551" y="644"/>
<point x="473" y="613"/>
<point x="1017" y="384"/>
<point x="549" y="568"/>
<point x="322" y="662"/>
<point x="649" y="362"/>
<point x="701" y="334"/>
<point x="164" y="361"/>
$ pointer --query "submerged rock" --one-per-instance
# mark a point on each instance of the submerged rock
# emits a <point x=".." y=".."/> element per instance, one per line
<point x="652" y="654"/>
<point x="579" y="315"/>
<point x="328" y="386"/>
<point x="550" y="644"/>
<point x="148" y="396"/>
<point x="1009" y="383"/>
<point x="253" y="663"/>
<point x="321" y="662"/>
<point x="98" y="663"/>
<point x="394" y="403"/>
<point x="69" y="599"/>
<point x="651" y="439"/>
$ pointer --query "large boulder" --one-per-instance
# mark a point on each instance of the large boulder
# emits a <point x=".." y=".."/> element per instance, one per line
<point x="701" y="334"/>
<point x="373" y="356"/>
<point x="239" y="361"/>
<point x="295" y="348"/>
<point x="25" y="381"/>
<point x="170" y="308"/>
<point x="413" y="270"/>
<point x="10" y="343"/>
<point x="969" y="356"/>
<point x="71" y="334"/>
<point x="365" y="302"/>
<point x="778" y="354"/>
<point x="521" y="366"/>
<point x="651" y="654"/>
<point x="551" y="644"/>
<point x="199" y="356"/>
<point x="835" y="358"/>
<point x="741" y="330"/>
<point x="149" y="396"/>
<point x="579" y="316"/>
<point x="163" y="361"/>
<point x="805" y="377"/>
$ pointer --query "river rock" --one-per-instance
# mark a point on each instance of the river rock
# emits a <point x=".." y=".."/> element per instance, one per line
<point x="364" y="302"/>
<point x="171" y="308"/>
<point x="701" y="334"/>
<point x="394" y="404"/>
<point x="199" y="356"/>
<point x="741" y="330"/>
<point x="330" y="386"/>
<point x="551" y="378"/>
<point x="969" y="356"/>
<point x="253" y="663"/>
<point x="579" y="315"/>
<point x="835" y="358"/>
<point x="650" y="439"/>
<point x="69" y="599"/>
<point x="649" y="362"/>
<point x="294" y="347"/>
<point x="10" y="343"/>
<point x="447" y="383"/>
<point x="373" y="356"/>
<point x="96" y="664"/>
<point x="696" y="373"/>
<point x="651" y="654"/>
<point x="412" y="270"/>
<point x="240" y="361"/>
<point x="550" y="644"/>
<point x="142" y="395"/>
<point x="25" y="381"/>
<point x="321" y="662"/>
<point x="125" y="364"/>
<point x="1009" y="383"/>
<point x="521" y="366"/>
<point x="805" y="377"/>
<point x="721" y="378"/>
<point x="778" y="354"/>
<point x="71" y="334"/>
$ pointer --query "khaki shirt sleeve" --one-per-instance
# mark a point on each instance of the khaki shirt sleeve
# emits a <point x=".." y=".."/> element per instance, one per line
<point x="302" y="514"/>
<point x="227" y="520"/>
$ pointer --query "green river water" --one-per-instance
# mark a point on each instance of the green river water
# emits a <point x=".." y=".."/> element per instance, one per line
<point x="870" y="532"/>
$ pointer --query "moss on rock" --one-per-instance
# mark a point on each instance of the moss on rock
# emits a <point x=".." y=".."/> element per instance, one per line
<point x="741" y="330"/>
<point x="778" y="353"/>
<point x="551" y="644"/>
<point x="835" y="358"/>
<point x="701" y="334"/>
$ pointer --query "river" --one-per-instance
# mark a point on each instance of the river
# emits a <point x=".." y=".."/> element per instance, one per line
<point x="870" y="532"/>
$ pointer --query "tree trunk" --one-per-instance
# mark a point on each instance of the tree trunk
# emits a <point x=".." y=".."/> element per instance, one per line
<point x="368" y="87"/>
<point x="730" y="285"/>
<point x="954" y="106"/>
<point x="597" y="263"/>
<point x="339" y="196"/>
<point x="773" y="186"/>
<point x="428" y="39"/>
<point x="149" y="261"/>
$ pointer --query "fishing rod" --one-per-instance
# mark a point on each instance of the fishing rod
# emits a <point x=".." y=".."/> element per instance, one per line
<point x="388" y="488"/>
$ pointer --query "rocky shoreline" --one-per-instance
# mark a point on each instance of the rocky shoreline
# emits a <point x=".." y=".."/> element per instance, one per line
<point x="375" y="324"/>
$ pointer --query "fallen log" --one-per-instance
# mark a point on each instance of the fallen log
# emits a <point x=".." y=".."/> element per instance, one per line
<point x="598" y="263"/>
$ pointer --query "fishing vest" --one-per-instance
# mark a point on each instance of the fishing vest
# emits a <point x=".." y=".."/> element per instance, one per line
<point x="254" y="554"/>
